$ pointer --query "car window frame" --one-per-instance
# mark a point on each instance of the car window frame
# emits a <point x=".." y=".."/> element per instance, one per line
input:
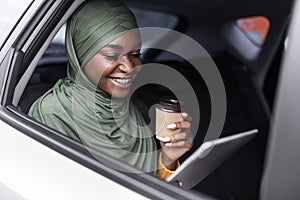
<point x="18" y="27"/>
<point x="17" y="16"/>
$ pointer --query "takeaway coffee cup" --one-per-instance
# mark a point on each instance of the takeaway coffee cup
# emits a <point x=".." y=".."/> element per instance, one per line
<point x="168" y="111"/>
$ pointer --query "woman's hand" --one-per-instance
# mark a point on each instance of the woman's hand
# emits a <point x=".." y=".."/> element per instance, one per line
<point x="178" y="143"/>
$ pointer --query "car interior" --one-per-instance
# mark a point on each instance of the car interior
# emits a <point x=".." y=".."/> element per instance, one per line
<point x="249" y="70"/>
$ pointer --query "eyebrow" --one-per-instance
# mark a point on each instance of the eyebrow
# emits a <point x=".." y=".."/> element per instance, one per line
<point x="116" y="46"/>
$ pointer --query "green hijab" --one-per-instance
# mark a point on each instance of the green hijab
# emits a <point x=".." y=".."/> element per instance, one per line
<point x="80" y="110"/>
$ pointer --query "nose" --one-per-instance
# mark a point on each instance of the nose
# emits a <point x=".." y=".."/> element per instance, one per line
<point x="126" y="64"/>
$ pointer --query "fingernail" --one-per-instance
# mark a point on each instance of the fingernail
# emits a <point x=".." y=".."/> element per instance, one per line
<point x="185" y="114"/>
<point x="171" y="126"/>
<point x="169" y="144"/>
<point x="163" y="139"/>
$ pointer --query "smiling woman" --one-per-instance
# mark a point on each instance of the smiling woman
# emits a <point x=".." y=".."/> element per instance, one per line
<point x="92" y="104"/>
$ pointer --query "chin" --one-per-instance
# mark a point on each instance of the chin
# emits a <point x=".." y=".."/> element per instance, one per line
<point x="120" y="94"/>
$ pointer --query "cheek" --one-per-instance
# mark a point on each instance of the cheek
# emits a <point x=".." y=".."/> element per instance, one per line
<point x="138" y="69"/>
<point x="138" y="65"/>
<point x="138" y="62"/>
<point x="96" y="70"/>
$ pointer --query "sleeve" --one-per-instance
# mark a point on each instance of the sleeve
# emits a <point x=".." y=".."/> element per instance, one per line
<point x="162" y="171"/>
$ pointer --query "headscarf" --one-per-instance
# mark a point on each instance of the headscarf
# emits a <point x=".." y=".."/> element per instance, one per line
<point x="80" y="110"/>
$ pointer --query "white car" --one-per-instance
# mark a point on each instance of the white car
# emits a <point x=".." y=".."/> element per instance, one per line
<point x="254" y="46"/>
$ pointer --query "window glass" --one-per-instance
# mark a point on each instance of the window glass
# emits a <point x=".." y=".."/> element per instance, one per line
<point x="256" y="28"/>
<point x="10" y="13"/>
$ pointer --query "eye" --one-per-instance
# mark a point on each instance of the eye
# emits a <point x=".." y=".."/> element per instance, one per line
<point x="135" y="54"/>
<point x="112" y="56"/>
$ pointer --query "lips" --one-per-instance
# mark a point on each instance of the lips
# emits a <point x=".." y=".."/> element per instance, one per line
<point x="123" y="82"/>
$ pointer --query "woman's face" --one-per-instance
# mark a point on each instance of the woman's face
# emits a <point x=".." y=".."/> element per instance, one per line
<point x="116" y="65"/>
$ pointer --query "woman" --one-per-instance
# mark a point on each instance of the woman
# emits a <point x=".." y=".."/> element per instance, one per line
<point x="91" y="106"/>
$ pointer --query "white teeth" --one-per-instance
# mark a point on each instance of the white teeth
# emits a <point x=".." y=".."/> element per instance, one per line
<point x="123" y="80"/>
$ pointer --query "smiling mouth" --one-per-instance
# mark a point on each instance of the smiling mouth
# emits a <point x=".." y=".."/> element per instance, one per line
<point x="123" y="80"/>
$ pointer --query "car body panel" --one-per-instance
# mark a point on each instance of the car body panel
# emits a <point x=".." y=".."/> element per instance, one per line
<point x="281" y="178"/>
<point x="33" y="170"/>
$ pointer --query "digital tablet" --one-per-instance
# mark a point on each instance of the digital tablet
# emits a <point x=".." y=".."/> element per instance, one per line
<point x="208" y="157"/>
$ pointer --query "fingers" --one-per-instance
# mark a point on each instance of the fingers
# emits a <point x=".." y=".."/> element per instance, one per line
<point x="182" y="125"/>
<point x="186" y="117"/>
<point x="183" y="139"/>
<point x="177" y="143"/>
<point x="163" y="139"/>
<point x="178" y="137"/>
<point x="186" y="145"/>
<point x="185" y="124"/>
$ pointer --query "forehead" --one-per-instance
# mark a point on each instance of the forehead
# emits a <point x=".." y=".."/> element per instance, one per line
<point x="130" y="40"/>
